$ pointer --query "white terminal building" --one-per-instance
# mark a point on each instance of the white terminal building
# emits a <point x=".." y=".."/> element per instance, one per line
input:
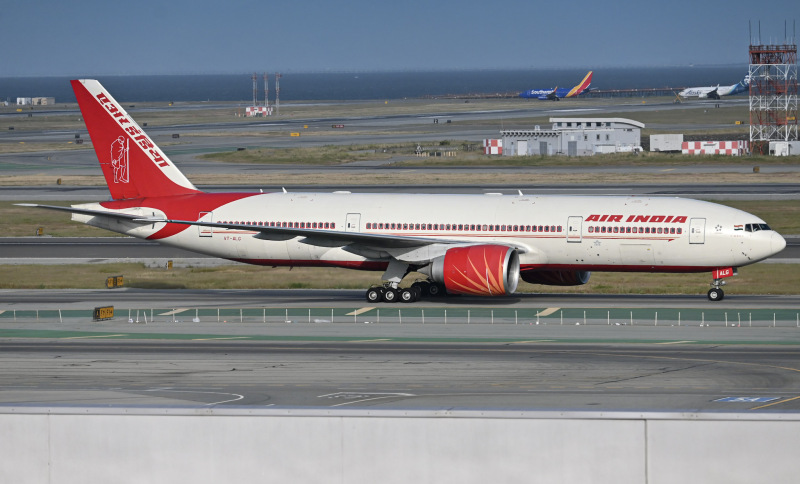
<point x="575" y="137"/>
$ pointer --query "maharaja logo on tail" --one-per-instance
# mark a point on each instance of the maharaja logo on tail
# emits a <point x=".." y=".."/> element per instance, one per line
<point x="119" y="160"/>
<point x="138" y="135"/>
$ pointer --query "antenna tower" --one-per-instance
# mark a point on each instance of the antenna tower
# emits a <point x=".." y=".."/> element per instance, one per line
<point x="773" y="92"/>
<point x="278" y="93"/>
<point x="255" y="89"/>
<point x="266" y="91"/>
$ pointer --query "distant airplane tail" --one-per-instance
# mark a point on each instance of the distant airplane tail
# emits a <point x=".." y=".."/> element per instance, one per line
<point x="584" y="85"/>
<point x="134" y="167"/>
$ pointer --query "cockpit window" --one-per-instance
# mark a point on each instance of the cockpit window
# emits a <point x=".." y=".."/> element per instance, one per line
<point x="756" y="227"/>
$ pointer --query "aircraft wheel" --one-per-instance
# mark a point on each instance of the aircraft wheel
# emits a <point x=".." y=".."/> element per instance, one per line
<point x="374" y="294"/>
<point x="715" y="294"/>
<point x="408" y="295"/>
<point x="421" y="287"/>
<point x="390" y="295"/>
<point x="435" y="290"/>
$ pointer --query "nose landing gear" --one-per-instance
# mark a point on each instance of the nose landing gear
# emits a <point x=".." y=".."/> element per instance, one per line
<point x="716" y="293"/>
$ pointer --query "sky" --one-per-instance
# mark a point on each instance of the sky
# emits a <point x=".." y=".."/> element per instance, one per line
<point x="113" y="37"/>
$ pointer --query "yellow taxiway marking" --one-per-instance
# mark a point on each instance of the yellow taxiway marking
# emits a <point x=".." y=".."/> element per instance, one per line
<point x="225" y="337"/>
<point x="369" y="340"/>
<point x="668" y="169"/>
<point x="675" y="342"/>
<point x="359" y="311"/>
<point x="533" y="341"/>
<point x="775" y="403"/>
<point x="547" y="312"/>
<point x="174" y="311"/>
<point x="99" y="336"/>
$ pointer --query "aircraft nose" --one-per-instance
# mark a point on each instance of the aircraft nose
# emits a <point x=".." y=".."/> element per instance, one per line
<point x="777" y="243"/>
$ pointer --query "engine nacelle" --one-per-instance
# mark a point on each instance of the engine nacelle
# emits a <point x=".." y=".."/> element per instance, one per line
<point x="480" y="270"/>
<point x="557" y="278"/>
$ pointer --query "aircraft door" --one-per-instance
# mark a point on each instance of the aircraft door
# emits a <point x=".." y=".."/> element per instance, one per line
<point x="574" y="229"/>
<point x="697" y="231"/>
<point x="205" y="217"/>
<point x="353" y="223"/>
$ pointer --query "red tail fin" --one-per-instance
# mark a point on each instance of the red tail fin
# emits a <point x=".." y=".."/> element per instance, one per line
<point x="134" y="167"/>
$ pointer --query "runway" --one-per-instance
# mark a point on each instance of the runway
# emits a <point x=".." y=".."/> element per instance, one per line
<point x="367" y="372"/>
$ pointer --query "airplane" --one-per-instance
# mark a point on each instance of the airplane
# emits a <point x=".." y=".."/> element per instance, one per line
<point x="479" y="244"/>
<point x="556" y="93"/>
<point x="716" y="92"/>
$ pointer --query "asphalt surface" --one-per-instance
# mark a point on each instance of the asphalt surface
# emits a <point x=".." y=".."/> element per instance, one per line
<point x="368" y="372"/>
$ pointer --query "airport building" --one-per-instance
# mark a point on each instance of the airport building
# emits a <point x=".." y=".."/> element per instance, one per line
<point x="36" y="101"/>
<point x="575" y="137"/>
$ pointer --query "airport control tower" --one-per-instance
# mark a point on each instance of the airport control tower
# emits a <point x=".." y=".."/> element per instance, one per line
<point x="773" y="94"/>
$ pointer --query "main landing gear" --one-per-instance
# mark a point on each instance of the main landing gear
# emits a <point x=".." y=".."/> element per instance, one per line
<point x="390" y="293"/>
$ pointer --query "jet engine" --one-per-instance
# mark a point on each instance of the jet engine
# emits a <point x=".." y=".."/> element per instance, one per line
<point x="556" y="278"/>
<point x="481" y="270"/>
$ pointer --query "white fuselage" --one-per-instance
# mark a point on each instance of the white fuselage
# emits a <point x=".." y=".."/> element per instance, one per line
<point x="551" y="232"/>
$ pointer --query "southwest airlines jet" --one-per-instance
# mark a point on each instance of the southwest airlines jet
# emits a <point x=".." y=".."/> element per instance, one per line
<point x="464" y="244"/>
<point x="715" y="92"/>
<point x="556" y="93"/>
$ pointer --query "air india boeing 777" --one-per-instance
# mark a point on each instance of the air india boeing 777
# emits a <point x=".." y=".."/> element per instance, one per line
<point x="464" y="244"/>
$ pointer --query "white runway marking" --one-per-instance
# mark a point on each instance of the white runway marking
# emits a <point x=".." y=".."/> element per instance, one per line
<point x="238" y="397"/>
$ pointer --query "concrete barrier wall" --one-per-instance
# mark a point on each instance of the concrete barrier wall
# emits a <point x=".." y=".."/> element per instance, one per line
<point x="94" y="445"/>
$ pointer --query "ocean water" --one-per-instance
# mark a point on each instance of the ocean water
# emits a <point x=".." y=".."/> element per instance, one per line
<point x="370" y="85"/>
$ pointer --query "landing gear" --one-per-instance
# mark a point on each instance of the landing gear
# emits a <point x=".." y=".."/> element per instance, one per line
<point x="429" y="288"/>
<point x="716" y="294"/>
<point x="389" y="294"/>
<point x="375" y="294"/>
<point x="390" y="290"/>
<point x="408" y="295"/>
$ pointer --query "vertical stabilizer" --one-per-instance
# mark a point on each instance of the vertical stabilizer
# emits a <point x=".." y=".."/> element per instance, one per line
<point x="584" y="84"/>
<point x="134" y="167"/>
